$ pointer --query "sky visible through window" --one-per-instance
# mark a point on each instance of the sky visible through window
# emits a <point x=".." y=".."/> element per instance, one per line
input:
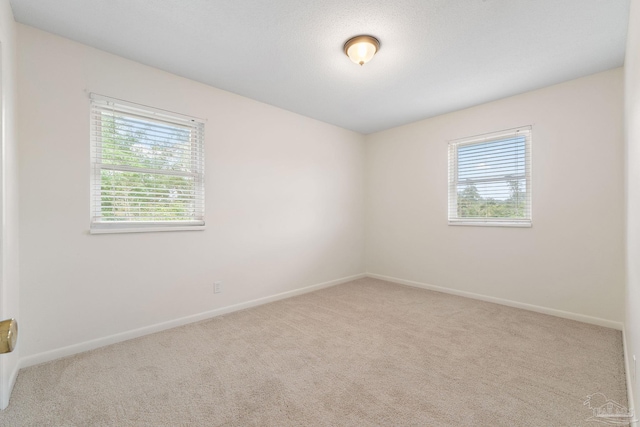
<point x="141" y="143"/>
<point x="492" y="167"/>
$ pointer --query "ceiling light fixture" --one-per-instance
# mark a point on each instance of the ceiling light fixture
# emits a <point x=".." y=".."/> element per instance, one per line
<point x="360" y="49"/>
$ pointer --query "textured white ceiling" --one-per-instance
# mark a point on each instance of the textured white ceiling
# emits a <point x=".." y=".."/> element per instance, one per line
<point x="436" y="56"/>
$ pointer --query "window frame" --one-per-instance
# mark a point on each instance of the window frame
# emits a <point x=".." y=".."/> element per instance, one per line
<point x="453" y="182"/>
<point x="151" y="114"/>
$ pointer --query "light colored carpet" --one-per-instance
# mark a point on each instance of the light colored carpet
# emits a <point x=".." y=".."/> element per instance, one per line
<point x="363" y="353"/>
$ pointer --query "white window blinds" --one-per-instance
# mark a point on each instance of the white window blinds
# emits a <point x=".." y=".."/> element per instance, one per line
<point x="490" y="179"/>
<point x="147" y="168"/>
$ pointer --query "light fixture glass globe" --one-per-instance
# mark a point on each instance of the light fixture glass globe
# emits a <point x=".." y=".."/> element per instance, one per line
<point x="361" y="49"/>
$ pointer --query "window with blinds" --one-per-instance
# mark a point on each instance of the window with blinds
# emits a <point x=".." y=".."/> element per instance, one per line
<point x="147" y="168"/>
<point x="490" y="179"/>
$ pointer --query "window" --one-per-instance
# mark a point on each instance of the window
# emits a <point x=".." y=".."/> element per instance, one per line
<point x="147" y="168"/>
<point x="490" y="179"/>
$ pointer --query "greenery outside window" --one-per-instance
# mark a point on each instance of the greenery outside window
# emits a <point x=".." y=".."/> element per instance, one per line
<point x="147" y="168"/>
<point x="490" y="179"/>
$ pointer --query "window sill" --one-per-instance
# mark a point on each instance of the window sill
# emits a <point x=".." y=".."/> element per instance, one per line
<point x="492" y="224"/>
<point x="145" y="229"/>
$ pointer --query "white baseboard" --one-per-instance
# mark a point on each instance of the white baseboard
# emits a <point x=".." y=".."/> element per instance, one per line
<point x="627" y="369"/>
<point x="539" y="309"/>
<point x="135" y="333"/>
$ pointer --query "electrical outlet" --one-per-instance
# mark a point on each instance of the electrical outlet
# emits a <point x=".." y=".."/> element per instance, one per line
<point x="217" y="287"/>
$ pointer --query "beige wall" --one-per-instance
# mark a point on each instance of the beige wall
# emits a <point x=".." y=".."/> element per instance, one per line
<point x="284" y="204"/>
<point x="571" y="260"/>
<point x="632" y="136"/>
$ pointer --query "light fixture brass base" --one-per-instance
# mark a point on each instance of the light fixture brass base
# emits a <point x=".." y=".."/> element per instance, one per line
<point x="359" y="39"/>
<point x="8" y="335"/>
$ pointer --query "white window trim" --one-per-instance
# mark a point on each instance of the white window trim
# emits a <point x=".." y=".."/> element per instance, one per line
<point x="98" y="227"/>
<point x="453" y="172"/>
<point x="145" y="229"/>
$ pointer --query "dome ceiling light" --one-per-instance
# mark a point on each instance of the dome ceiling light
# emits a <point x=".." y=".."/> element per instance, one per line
<point x="360" y="49"/>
